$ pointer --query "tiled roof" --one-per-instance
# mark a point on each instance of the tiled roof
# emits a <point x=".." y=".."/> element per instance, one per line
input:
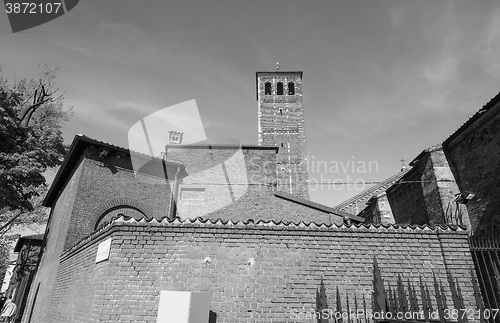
<point x="317" y="206"/>
<point x="476" y="116"/>
<point x="368" y="193"/>
<point x="280" y="224"/>
<point x="80" y="142"/>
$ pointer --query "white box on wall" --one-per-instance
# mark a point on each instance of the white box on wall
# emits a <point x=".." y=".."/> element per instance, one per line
<point x="183" y="307"/>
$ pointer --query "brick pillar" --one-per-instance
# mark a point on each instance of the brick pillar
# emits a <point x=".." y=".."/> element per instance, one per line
<point x="384" y="209"/>
<point x="447" y="188"/>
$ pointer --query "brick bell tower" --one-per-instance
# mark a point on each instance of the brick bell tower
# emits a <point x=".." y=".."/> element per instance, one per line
<point x="281" y="124"/>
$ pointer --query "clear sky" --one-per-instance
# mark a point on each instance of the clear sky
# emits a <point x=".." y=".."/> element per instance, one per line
<point x="382" y="79"/>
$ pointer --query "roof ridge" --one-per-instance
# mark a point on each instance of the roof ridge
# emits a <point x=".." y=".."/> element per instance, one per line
<point x="392" y="179"/>
<point x="484" y="108"/>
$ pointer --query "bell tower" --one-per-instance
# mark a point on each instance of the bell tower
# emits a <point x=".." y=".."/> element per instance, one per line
<point x="281" y="124"/>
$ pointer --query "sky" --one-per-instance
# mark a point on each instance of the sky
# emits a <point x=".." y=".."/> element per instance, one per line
<point x="383" y="80"/>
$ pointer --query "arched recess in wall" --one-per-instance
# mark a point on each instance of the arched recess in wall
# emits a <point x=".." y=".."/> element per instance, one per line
<point x="267" y="88"/>
<point x="279" y="88"/>
<point x="114" y="207"/>
<point x="117" y="211"/>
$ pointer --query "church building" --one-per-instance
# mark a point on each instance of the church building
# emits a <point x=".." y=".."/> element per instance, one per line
<point x="213" y="219"/>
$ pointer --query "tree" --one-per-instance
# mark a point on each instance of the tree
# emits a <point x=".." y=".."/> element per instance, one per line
<point x="31" y="116"/>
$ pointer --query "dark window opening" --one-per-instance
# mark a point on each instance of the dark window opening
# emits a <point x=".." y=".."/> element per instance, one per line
<point x="291" y="88"/>
<point x="267" y="88"/>
<point x="279" y="89"/>
<point x="281" y="111"/>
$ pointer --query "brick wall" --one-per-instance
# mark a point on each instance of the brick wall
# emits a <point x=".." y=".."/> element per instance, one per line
<point x="95" y="188"/>
<point x="218" y="176"/>
<point x="427" y="192"/>
<point x="54" y="240"/>
<point x="407" y="200"/>
<point x="78" y="290"/>
<point x="378" y="210"/>
<point x="251" y="174"/>
<point x="474" y="153"/>
<point x="111" y="183"/>
<point x="254" y="272"/>
<point x="430" y="189"/>
<point x="446" y="189"/>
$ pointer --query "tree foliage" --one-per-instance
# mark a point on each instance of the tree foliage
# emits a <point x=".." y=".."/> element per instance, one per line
<point x="31" y="116"/>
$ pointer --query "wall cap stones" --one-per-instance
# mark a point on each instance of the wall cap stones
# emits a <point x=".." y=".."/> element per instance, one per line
<point x="124" y="223"/>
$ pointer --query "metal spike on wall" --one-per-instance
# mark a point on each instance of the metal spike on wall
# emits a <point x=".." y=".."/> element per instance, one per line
<point x="455" y="298"/>
<point x="338" y="307"/>
<point x="403" y="300"/>
<point x="412" y="297"/>
<point x="379" y="295"/>
<point x="459" y="295"/>
<point x="321" y="302"/>
<point x="430" y="309"/>
<point x="425" y="305"/>
<point x="439" y="300"/>
<point x="390" y="300"/>
<point x="396" y="301"/>
<point x="443" y="296"/>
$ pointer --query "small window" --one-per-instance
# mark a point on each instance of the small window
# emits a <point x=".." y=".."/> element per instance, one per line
<point x="267" y="88"/>
<point x="291" y="88"/>
<point x="279" y="89"/>
<point x="281" y="111"/>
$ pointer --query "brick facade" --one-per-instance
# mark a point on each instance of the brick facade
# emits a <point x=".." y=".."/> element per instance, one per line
<point x="407" y="200"/>
<point x="236" y="183"/>
<point x="474" y="154"/>
<point x="467" y="164"/>
<point x="255" y="272"/>
<point x="95" y="189"/>
<point x="255" y="269"/>
<point x="281" y="124"/>
<point x="426" y="194"/>
<point x="378" y="210"/>
<point x="218" y="176"/>
<point x="37" y="308"/>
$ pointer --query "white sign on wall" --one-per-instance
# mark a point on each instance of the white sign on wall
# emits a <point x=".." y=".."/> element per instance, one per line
<point x="183" y="307"/>
<point x="103" y="251"/>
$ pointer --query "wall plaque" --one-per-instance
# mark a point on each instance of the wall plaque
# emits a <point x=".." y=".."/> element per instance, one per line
<point x="103" y="251"/>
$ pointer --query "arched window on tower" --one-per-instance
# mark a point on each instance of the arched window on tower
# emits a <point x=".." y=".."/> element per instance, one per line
<point x="279" y="88"/>
<point x="291" y="88"/>
<point x="267" y="88"/>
